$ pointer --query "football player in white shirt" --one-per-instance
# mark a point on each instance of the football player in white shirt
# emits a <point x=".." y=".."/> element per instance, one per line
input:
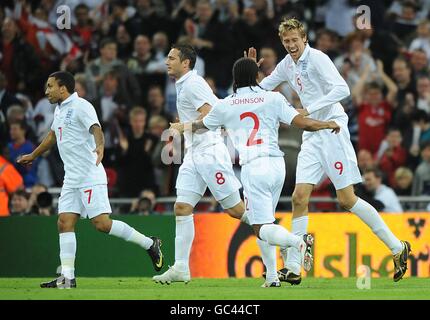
<point x="80" y="141"/>
<point x="320" y="87"/>
<point x="251" y="117"/>
<point x="206" y="163"/>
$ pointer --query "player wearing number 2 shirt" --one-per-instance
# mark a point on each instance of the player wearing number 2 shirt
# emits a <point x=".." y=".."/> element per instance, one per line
<point x="251" y="117"/>
<point x="79" y="137"/>
<point x="320" y="87"/>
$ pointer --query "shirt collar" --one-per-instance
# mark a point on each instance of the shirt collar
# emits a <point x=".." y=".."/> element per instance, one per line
<point x="305" y="53"/>
<point x="72" y="97"/>
<point x="186" y="76"/>
<point x="248" y="89"/>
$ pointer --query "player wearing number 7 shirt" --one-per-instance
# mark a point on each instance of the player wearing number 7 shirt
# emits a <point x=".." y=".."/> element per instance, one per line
<point x="251" y="117"/>
<point x="320" y="87"/>
<point x="80" y="141"/>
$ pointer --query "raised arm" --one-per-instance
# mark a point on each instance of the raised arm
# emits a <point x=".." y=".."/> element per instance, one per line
<point x="358" y="90"/>
<point x="44" y="146"/>
<point x="391" y="85"/>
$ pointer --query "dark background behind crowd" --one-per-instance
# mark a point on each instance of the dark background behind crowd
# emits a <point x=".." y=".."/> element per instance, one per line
<point x="116" y="50"/>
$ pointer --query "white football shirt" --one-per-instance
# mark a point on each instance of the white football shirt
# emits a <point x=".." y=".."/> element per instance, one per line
<point x="317" y="82"/>
<point x="192" y="92"/>
<point x="251" y="118"/>
<point x="72" y="121"/>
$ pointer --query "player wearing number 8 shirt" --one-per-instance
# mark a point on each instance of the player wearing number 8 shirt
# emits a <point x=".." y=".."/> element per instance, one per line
<point x="80" y="141"/>
<point x="320" y="87"/>
<point x="206" y="163"/>
<point x="251" y="117"/>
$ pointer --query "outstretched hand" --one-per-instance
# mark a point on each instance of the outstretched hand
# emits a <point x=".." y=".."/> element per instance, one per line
<point x="26" y="159"/>
<point x="99" y="151"/>
<point x="252" y="54"/>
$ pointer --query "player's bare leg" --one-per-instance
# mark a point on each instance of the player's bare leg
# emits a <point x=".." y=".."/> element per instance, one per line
<point x="105" y="224"/>
<point x="66" y="229"/>
<point x="180" y="271"/>
<point x="368" y="214"/>
<point x="299" y="226"/>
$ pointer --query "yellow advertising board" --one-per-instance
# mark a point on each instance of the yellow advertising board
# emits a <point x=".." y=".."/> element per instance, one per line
<point x="223" y="247"/>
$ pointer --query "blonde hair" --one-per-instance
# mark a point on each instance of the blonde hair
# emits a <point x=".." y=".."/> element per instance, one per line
<point x="136" y="111"/>
<point x="403" y="172"/>
<point x="290" y="25"/>
<point x="158" y="121"/>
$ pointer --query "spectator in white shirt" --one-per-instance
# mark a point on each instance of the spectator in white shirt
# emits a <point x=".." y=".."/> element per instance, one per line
<point x="383" y="193"/>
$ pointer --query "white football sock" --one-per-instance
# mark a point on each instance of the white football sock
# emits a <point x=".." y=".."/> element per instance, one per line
<point x="67" y="254"/>
<point x="268" y="253"/>
<point x="277" y="235"/>
<point x="299" y="227"/>
<point x="183" y="241"/>
<point x="124" y="231"/>
<point x="371" y="217"/>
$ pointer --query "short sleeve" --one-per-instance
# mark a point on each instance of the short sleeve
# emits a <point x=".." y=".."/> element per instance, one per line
<point x="215" y="118"/>
<point x="286" y="111"/>
<point x="87" y="115"/>
<point x="53" y="120"/>
<point x="199" y="93"/>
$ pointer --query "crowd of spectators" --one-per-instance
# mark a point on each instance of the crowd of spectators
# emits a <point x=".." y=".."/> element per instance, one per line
<point x="116" y="49"/>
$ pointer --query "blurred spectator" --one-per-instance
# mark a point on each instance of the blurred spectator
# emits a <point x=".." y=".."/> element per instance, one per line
<point x="141" y="55"/>
<point x="18" y="61"/>
<point x="365" y="160"/>
<point x="156" y="103"/>
<point x="10" y="181"/>
<point x="108" y="61"/>
<point x="145" y="204"/>
<point x="393" y="155"/>
<point x="135" y="171"/>
<point x="19" y="145"/>
<point x="423" y="90"/>
<point x="419" y="62"/>
<point x="37" y="189"/>
<point x="421" y="185"/>
<point x="125" y="45"/>
<point x="402" y="74"/>
<point x="19" y="203"/>
<point x="81" y="86"/>
<point x="374" y="110"/>
<point x="160" y="45"/>
<point x="339" y="16"/>
<point x="212" y="41"/>
<point x="163" y="173"/>
<point x="383" y="193"/>
<point x="422" y="41"/>
<point x="356" y="59"/>
<point x="404" y="178"/>
<point x="326" y="42"/>
<point x="406" y="20"/>
<point x="6" y="98"/>
<point x="83" y="30"/>
<point x="421" y="121"/>
<point x="44" y="204"/>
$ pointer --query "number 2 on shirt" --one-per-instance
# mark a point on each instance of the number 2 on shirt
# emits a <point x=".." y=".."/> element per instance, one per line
<point x="251" y="140"/>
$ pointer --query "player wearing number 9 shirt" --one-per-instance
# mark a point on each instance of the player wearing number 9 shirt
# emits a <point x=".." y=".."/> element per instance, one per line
<point x="251" y="117"/>
<point x="79" y="137"/>
<point x="320" y="88"/>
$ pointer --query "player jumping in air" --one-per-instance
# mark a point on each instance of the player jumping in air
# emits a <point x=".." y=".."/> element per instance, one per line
<point x="80" y="141"/>
<point x="251" y="117"/>
<point x="320" y="87"/>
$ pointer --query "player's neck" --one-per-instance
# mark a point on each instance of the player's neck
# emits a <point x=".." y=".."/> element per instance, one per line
<point x="183" y="73"/>
<point x="64" y="97"/>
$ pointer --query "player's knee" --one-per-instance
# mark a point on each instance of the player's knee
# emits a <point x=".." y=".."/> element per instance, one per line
<point x="64" y="225"/>
<point x="256" y="228"/>
<point x="183" y="209"/>
<point x="346" y="203"/>
<point x="102" y="225"/>
<point x="300" y="199"/>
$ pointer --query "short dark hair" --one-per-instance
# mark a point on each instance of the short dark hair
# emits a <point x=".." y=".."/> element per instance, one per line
<point x="245" y="72"/>
<point x="186" y="51"/>
<point x="420" y="115"/>
<point x="105" y="41"/>
<point x="375" y="171"/>
<point x="373" y="85"/>
<point x="64" y="78"/>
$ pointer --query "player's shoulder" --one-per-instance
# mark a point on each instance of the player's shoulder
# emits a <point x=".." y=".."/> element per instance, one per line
<point x="82" y="103"/>
<point x="315" y="54"/>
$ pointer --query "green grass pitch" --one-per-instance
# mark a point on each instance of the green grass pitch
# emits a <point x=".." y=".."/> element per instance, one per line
<point x="216" y="289"/>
